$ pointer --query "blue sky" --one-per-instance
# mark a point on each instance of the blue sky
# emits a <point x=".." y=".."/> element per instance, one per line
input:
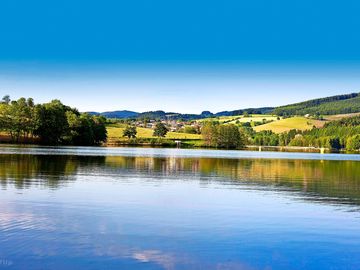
<point x="184" y="56"/>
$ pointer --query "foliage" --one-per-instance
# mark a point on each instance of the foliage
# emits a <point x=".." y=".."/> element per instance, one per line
<point x="228" y="136"/>
<point x="353" y="143"/>
<point x="209" y="132"/>
<point x="340" y="134"/>
<point x="340" y="104"/>
<point x="52" y="123"/>
<point x="191" y="130"/>
<point x="85" y="129"/>
<point x="221" y="136"/>
<point x="16" y="117"/>
<point x="266" y="137"/>
<point x="160" y="130"/>
<point x="130" y="132"/>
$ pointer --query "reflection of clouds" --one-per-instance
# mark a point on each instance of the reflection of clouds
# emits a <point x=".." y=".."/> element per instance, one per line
<point x="165" y="260"/>
<point x="235" y="266"/>
<point x="12" y="220"/>
<point x="44" y="235"/>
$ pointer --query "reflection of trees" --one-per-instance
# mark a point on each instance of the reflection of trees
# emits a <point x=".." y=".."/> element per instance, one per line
<point x="50" y="171"/>
<point x="330" y="180"/>
<point x="334" y="179"/>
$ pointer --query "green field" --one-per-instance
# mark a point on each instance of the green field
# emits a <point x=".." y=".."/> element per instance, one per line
<point x="221" y="119"/>
<point x="241" y="118"/>
<point x="255" y="118"/>
<point x="116" y="132"/>
<point x="287" y="124"/>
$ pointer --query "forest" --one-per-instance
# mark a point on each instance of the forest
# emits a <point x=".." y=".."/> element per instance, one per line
<point x="340" y="104"/>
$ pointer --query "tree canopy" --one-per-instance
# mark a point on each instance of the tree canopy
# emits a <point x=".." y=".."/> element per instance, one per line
<point x="160" y="130"/>
<point x="222" y="136"/>
<point x="130" y="132"/>
<point x="51" y="123"/>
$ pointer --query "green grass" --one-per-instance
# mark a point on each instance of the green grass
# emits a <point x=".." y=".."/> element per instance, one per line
<point x="116" y="132"/>
<point x="287" y="124"/>
<point x="255" y="118"/>
<point x="241" y="118"/>
<point x="221" y="119"/>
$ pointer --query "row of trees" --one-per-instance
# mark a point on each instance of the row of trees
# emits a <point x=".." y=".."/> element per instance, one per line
<point x="51" y="123"/>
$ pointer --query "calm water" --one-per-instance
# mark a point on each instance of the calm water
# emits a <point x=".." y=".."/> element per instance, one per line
<point x="135" y="208"/>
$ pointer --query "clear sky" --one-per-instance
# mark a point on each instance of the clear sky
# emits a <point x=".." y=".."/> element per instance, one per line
<point x="184" y="56"/>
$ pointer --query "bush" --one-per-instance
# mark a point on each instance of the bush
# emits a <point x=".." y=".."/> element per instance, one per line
<point x="353" y="143"/>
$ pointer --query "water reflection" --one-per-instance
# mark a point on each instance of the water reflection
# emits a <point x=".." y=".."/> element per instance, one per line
<point x="336" y="181"/>
<point x="134" y="212"/>
<point x="25" y="171"/>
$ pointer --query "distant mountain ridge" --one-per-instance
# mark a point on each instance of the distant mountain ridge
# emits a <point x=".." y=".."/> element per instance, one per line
<point x="117" y="114"/>
<point x="125" y="114"/>
<point x="339" y="104"/>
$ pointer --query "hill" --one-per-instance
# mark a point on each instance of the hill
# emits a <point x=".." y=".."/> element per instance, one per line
<point x="117" y="114"/>
<point x="262" y="110"/>
<point x="287" y="124"/>
<point x="340" y="104"/>
<point x="162" y="115"/>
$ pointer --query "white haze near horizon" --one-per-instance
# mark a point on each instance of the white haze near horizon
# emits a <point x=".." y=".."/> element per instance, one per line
<point x="189" y="91"/>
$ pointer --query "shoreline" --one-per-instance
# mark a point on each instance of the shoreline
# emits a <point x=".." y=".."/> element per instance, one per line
<point x="253" y="148"/>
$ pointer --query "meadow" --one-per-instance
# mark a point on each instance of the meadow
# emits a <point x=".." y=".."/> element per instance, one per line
<point x="115" y="132"/>
<point x="241" y="118"/>
<point x="283" y="125"/>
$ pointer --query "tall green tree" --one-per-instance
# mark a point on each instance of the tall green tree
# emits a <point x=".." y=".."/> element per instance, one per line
<point x="99" y="129"/>
<point x="6" y="99"/>
<point x="160" y="130"/>
<point x="209" y="132"/>
<point x="353" y="143"/>
<point x="222" y="135"/>
<point x="228" y="136"/>
<point x="52" y="124"/>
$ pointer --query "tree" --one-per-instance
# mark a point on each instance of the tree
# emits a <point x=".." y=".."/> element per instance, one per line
<point x="209" y="133"/>
<point x="223" y="136"/>
<point x="229" y="136"/>
<point x="17" y="118"/>
<point x="85" y="129"/>
<point x="130" y="132"/>
<point x="334" y="143"/>
<point x="160" y="130"/>
<point x="99" y="129"/>
<point x="191" y="130"/>
<point x="6" y="99"/>
<point x="52" y="122"/>
<point x="353" y="143"/>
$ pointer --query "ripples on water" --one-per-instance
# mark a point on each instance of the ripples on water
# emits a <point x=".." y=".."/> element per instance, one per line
<point x="133" y="208"/>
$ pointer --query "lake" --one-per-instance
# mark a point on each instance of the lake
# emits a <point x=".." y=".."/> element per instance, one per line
<point x="144" y="208"/>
